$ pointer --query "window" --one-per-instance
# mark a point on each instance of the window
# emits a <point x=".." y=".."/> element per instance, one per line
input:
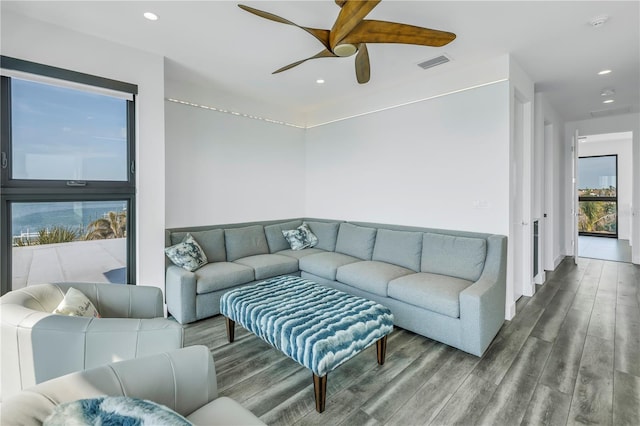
<point x="598" y="196"/>
<point x="68" y="187"/>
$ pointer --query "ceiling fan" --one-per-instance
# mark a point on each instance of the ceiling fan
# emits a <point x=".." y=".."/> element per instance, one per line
<point x="351" y="32"/>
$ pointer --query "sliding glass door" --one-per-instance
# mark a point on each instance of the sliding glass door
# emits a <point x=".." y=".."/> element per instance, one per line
<point x="598" y="196"/>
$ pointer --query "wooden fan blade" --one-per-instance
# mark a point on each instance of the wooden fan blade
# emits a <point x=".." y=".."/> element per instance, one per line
<point x="340" y="2"/>
<point x="371" y="31"/>
<point x="321" y="35"/>
<point x="351" y="14"/>
<point x="363" y="70"/>
<point x="323" y="54"/>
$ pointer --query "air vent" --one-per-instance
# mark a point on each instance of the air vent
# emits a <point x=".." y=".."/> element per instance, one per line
<point x="430" y="63"/>
<point x="612" y="111"/>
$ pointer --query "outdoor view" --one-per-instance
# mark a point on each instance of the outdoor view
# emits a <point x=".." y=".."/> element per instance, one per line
<point x="73" y="241"/>
<point x="597" y="196"/>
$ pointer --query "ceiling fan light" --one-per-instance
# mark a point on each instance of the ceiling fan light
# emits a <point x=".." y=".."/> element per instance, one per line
<point x="344" y="50"/>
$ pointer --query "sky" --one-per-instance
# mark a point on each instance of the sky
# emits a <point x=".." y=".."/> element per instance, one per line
<point x="67" y="134"/>
<point x="597" y="172"/>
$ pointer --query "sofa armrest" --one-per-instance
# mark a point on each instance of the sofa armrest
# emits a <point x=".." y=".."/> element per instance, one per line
<point x="183" y="380"/>
<point x="482" y="305"/>
<point x="61" y="344"/>
<point x="181" y="294"/>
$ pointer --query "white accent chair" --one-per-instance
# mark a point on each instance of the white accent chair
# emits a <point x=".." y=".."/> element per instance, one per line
<point x="38" y="345"/>
<point x="183" y="380"/>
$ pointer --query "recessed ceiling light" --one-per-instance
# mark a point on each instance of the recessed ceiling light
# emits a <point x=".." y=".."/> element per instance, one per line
<point x="607" y="92"/>
<point x="320" y="81"/>
<point x="603" y="72"/>
<point x="608" y="101"/>
<point x="151" y="16"/>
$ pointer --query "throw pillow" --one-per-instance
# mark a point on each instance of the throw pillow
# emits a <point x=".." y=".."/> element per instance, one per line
<point x="114" y="410"/>
<point x="76" y="304"/>
<point x="301" y="237"/>
<point x="188" y="254"/>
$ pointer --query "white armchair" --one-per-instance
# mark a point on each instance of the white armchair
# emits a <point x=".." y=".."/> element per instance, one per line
<point x="183" y="380"/>
<point x="38" y="345"/>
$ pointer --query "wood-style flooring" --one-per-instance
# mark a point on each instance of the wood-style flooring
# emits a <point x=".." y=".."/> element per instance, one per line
<point x="571" y="355"/>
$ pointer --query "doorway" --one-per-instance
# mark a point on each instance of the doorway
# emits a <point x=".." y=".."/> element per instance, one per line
<point x="605" y="188"/>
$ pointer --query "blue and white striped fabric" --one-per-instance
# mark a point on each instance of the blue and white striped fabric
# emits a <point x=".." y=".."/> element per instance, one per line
<point x="317" y="326"/>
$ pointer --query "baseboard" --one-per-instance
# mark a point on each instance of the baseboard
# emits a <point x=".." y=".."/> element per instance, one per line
<point x="557" y="261"/>
<point x="540" y="278"/>
<point x="510" y="311"/>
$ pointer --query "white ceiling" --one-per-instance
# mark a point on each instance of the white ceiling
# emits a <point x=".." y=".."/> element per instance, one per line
<point x="232" y="49"/>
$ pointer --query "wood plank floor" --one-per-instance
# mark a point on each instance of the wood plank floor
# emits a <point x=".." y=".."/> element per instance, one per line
<point x="571" y="355"/>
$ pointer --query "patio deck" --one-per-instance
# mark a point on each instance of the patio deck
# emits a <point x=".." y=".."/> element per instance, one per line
<point x="94" y="261"/>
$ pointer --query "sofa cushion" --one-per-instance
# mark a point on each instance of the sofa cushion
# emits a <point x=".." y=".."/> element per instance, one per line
<point x="187" y="254"/>
<point x="211" y="241"/>
<point x="299" y="254"/>
<point x="327" y="233"/>
<point x="275" y="239"/>
<point x="325" y="264"/>
<point x="398" y="247"/>
<point x="245" y="241"/>
<point x="356" y="241"/>
<point x="269" y="265"/>
<point x="437" y="293"/>
<point x="221" y="275"/>
<point x="370" y="275"/>
<point x="460" y="257"/>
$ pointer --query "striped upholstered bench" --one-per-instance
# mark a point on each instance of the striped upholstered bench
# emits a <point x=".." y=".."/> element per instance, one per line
<point x="317" y="326"/>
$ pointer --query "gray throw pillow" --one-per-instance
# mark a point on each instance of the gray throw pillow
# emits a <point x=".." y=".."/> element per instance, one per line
<point x="188" y="254"/>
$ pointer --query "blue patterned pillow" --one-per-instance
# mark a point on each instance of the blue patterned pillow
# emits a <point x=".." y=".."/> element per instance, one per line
<point x="301" y="237"/>
<point x="114" y="410"/>
<point x="188" y="254"/>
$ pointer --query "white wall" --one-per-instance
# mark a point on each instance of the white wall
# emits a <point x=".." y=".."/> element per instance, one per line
<point x="48" y="44"/>
<point x="596" y="126"/>
<point x="621" y="148"/>
<point x="439" y="163"/>
<point x="549" y="133"/>
<point x="223" y="168"/>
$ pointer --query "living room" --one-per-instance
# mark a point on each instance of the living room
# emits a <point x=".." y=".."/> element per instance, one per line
<point x="433" y="152"/>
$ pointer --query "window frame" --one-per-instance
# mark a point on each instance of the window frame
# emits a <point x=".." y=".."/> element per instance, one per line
<point x="41" y="190"/>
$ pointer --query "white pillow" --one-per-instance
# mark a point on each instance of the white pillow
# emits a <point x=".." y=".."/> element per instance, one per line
<point x="76" y="304"/>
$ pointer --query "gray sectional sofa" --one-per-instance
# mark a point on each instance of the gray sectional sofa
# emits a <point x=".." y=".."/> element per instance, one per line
<point x="446" y="285"/>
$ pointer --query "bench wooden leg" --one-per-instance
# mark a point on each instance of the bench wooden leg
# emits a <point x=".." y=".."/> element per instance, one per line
<point x="320" y="389"/>
<point x="231" y="328"/>
<point x="381" y="346"/>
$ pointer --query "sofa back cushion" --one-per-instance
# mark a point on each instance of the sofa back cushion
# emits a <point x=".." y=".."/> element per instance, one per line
<point x="211" y="241"/>
<point x="356" y="241"/>
<point x="460" y="257"/>
<point x="327" y="233"/>
<point x="275" y="239"/>
<point x="245" y="241"/>
<point x="401" y="248"/>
